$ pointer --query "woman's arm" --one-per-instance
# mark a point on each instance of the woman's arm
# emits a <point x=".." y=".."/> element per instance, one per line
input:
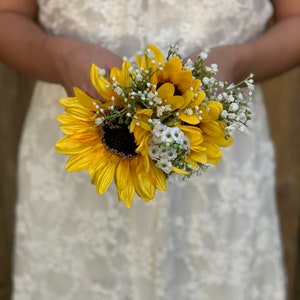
<point x="278" y="49"/>
<point x="274" y="52"/>
<point x="27" y="48"/>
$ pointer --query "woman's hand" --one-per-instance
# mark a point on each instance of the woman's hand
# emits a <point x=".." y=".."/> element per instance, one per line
<point x="230" y="59"/>
<point x="72" y="60"/>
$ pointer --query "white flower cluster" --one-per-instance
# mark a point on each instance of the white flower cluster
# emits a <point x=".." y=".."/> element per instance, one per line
<point x="166" y="145"/>
<point x="235" y="98"/>
<point x="235" y="102"/>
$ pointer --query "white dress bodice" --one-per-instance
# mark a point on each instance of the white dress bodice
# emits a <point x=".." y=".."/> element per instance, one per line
<point x="127" y="26"/>
<point x="213" y="238"/>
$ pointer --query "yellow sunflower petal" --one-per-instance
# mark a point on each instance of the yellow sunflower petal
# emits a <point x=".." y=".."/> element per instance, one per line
<point x="197" y="148"/>
<point x="200" y="157"/>
<point x="158" y="56"/>
<point x="213" y="129"/>
<point x="183" y="80"/>
<point x="70" y="125"/>
<point x="222" y="141"/>
<point x="158" y="176"/>
<point x="214" y="161"/>
<point x="143" y="183"/>
<point x="146" y="62"/>
<point x="188" y="97"/>
<point x="68" y="146"/>
<point x="192" y="162"/>
<point x="199" y="99"/>
<point x="172" y="67"/>
<point x="101" y="155"/>
<point x="103" y="177"/>
<point x="190" y="119"/>
<point x="68" y="101"/>
<point x="124" y="182"/>
<point x="166" y="90"/>
<point x="84" y="99"/>
<point x="194" y="134"/>
<point x="179" y="171"/>
<point x="79" y="112"/>
<point x="87" y="136"/>
<point x="100" y="83"/>
<point x="213" y="112"/>
<point x="122" y="76"/>
<point x="212" y="150"/>
<point x="176" y="102"/>
<point x="79" y="162"/>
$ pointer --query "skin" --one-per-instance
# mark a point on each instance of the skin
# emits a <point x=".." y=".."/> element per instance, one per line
<point x="25" y="47"/>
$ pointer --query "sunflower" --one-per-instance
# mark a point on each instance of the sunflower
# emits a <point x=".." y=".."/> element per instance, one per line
<point x="106" y="148"/>
<point x="150" y="121"/>
<point x="175" y="85"/>
<point x="207" y="137"/>
<point x="198" y="120"/>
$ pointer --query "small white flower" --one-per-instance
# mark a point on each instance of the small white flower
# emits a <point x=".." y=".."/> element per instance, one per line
<point x="205" y="80"/>
<point x="158" y="129"/>
<point x="157" y="100"/>
<point x="234" y="107"/>
<point x="230" y="98"/>
<point x="240" y="96"/>
<point x="189" y="111"/>
<point x="171" y="154"/>
<point x="186" y="142"/>
<point x="150" y="53"/>
<point x="164" y="165"/>
<point x="203" y="55"/>
<point x="224" y="114"/>
<point x="167" y="136"/>
<point x="214" y="68"/>
<point x="231" y="116"/>
<point x="241" y="117"/>
<point x="154" y="151"/>
<point x="101" y="72"/>
<point x="139" y="77"/>
<point x="118" y="90"/>
<point x="162" y="109"/>
<point x="189" y="65"/>
<point x="242" y="128"/>
<point x="98" y="121"/>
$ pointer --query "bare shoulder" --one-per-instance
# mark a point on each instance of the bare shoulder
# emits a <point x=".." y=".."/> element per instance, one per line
<point x="28" y="8"/>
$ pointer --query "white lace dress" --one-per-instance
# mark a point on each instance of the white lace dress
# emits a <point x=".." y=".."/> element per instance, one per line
<point x="212" y="238"/>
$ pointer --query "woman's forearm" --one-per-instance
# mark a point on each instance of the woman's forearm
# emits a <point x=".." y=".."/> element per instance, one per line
<point x="25" y="47"/>
<point x="66" y="61"/>
<point x="276" y="51"/>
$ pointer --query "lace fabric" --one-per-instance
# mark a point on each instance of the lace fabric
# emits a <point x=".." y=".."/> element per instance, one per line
<point x="213" y="237"/>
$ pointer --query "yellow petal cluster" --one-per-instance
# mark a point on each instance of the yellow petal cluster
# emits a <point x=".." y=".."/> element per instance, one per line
<point x="88" y="125"/>
<point x="199" y="121"/>
<point x="87" y="150"/>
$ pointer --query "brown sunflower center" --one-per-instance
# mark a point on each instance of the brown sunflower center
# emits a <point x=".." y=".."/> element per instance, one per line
<point x="117" y="139"/>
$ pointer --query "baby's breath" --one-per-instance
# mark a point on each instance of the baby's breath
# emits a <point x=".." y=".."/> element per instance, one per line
<point x="168" y="146"/>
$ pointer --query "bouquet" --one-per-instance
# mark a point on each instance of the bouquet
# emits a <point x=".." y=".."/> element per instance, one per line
<point x="154" y="118"/>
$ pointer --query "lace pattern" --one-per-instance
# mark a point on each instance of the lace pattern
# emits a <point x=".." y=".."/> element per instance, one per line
<point x="133" y="24"/>
<point x="214" y="237"/>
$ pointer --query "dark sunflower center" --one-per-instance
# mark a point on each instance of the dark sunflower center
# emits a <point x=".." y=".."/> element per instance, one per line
<point x="177" y="92"/>
<point x="117" y="139"/>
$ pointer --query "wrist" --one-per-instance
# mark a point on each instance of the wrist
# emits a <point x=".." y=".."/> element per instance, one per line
<point x="243" y="59"/>
<point x="59" y="50"/>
